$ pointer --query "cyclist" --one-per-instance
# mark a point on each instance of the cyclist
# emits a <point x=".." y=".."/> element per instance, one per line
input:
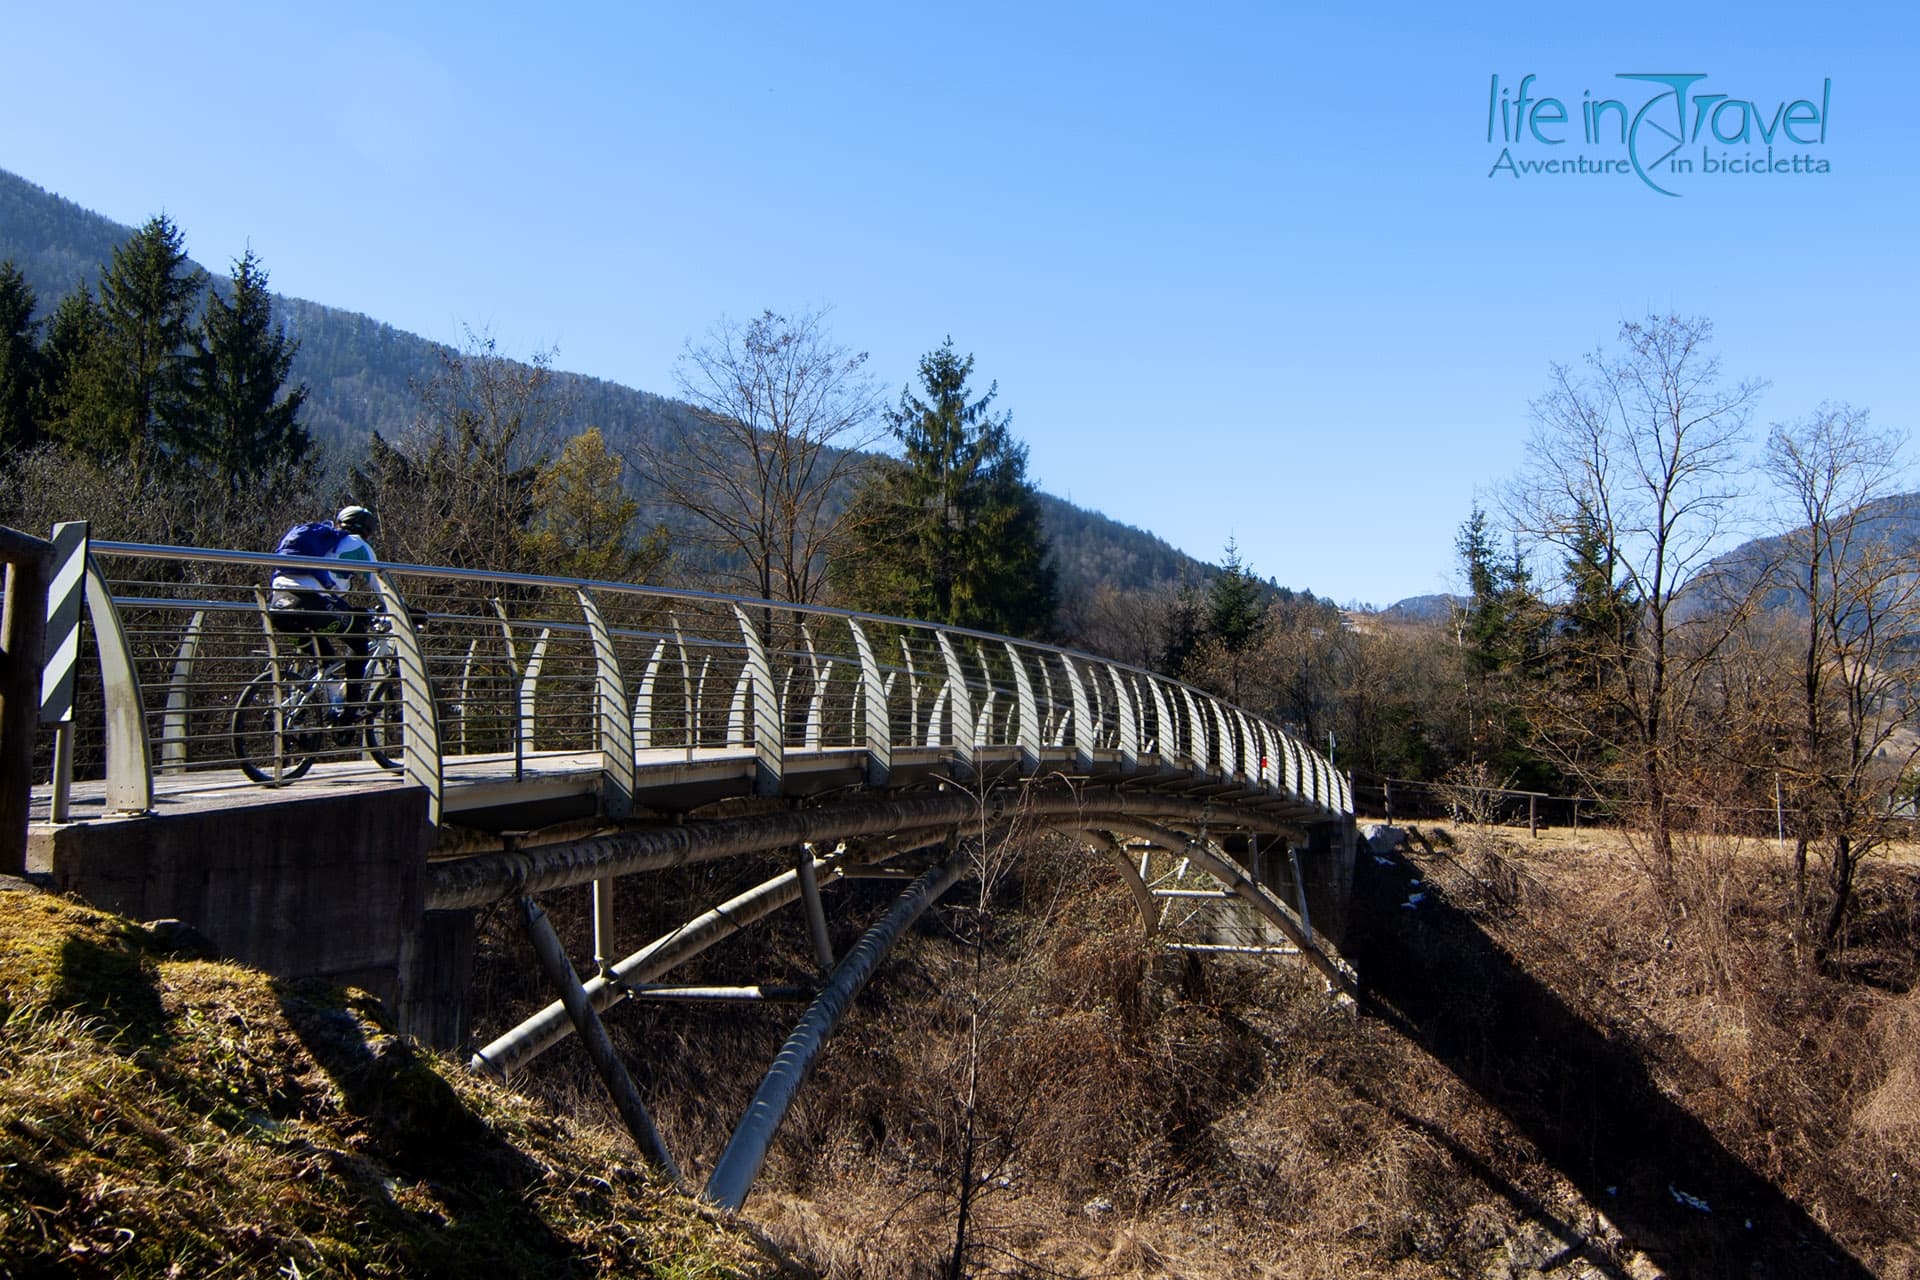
<point x="306" y="601"/>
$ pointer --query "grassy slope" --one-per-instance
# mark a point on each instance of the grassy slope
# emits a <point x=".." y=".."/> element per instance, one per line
<point x="162" y="1115"/>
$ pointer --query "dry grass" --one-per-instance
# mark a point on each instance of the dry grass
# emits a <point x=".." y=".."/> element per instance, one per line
<point x="1147" y="1116"/>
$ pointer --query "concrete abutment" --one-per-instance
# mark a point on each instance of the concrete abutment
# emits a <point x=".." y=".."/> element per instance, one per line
<point x="330" y="887"/>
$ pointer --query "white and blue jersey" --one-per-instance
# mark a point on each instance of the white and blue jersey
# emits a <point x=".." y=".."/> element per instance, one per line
<point x="350" y="547"/>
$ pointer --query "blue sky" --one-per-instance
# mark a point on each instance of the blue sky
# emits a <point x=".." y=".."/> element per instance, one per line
<point x="1239" y="270"/>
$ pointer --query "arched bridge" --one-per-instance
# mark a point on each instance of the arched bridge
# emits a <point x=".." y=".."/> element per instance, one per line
<point x="521" y="734"/>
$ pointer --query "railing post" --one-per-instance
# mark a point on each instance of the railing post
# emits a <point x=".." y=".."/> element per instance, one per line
<point x="64" y="580"/>
<point x="1129" y="723"/>
<point x="873" y="710"/>
<point x="690" y="693"/>
<point x="129" y="764"/>
<point x="524" y="739"/>
<point x="959" y="707"/>
<point x="616" y="725"/>
<point x="466" y="690"/>
<point x="1199" y="757"/>
<point x="173" y="725"/>
<point x="1166" y="728"/>
<point x="520" y="718"/>
<point x="419" y="717"/>
<point x="1082" y="718"/>
<point x="1030" y="739"/>
<point x="769" y="734"/>
<point x="643" y="700"/>
<point x="913" y="692"/>
<point x="1222" y="738"/>
<point x="1052" y="727"/>
<point x="276" y="687"/>
<point x="813" y="735"/>
<point x="1262" y="760"/>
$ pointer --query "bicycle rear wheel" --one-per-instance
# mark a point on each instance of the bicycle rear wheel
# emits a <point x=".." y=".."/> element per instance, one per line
<point x="384" y="741"/>
<point x="274" y="758"/>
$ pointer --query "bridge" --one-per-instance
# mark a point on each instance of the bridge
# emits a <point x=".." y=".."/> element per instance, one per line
<point x="522" y="735"/>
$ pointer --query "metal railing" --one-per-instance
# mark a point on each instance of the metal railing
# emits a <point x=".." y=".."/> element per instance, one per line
<point x="498" y="671"/>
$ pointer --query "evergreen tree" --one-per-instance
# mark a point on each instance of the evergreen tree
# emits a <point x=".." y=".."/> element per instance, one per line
<point x="128" y="396"/>
<point x="1183" y="630"/>
<point x="19" y="360"/>
<point x="952" y="534"/>
<point x="1596" y="624"/>
<point x="1503" y="631"/>
<point x="1234" y="604"/>
<point x="1504" y="623"/>
<point x="243" y="431"/>
<point x="61" y="402"/>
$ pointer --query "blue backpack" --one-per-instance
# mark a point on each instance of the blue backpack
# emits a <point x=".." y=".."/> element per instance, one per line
<point x="315" y="538"/>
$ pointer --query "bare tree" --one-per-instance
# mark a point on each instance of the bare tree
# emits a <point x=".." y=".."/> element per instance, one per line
<point x="1632" y="466"/>
<point x="781" y="412"/>
<point x="1859" y="592"/>
<point x="457" y="486"/>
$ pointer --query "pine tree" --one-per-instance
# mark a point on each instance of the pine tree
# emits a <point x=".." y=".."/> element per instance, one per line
<point x="63" y="403"/>
<point x="1596" y="624"/>
<point x="19" y="360"/>
<point x="1503" y="626"/>
<point x="1503" y="633"/>
<point x="236" y="425"/>
<point x="1234" y="606"/>
<point x="952" y="534"/>
<point x="128" y="396"/>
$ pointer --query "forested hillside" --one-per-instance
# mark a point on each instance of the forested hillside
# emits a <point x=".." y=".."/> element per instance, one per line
<point x="363" y="377"/>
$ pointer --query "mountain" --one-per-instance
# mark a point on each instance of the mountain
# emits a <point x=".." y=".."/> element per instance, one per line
<point x="1433" y="608"/>
<point x="362" y="372"/>
<point x="1888" y="525"/>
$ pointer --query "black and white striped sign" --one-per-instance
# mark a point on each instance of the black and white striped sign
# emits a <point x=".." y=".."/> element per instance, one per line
<point x="65" y="593"/>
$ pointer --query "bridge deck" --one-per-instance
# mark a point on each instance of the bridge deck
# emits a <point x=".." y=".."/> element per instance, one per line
<point x="497" y="789"/>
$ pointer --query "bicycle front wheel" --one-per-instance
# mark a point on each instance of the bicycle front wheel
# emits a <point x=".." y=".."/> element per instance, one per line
<point x="270" y="753"/>
<point x="383" y="725"/>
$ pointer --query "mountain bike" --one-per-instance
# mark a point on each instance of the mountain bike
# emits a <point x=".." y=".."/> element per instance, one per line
<point x="278" y="741"/>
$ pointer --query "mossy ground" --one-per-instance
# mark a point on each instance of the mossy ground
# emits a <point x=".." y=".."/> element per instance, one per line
<point x="165" y="1115"/>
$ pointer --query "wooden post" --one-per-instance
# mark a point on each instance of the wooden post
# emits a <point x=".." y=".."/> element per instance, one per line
<point x="1533" y="817"/>
<point x="1386" y="791"/>
<point x="22" y="629"/>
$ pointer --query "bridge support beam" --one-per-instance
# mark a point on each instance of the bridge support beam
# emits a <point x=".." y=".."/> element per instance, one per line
<point x="551" y="1025"/>
<point x="1230" y="874"/>
<point x="739" y="1164"/>
<point x="626" y="1098"/>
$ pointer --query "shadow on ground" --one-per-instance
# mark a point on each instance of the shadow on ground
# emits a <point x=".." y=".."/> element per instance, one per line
<point x="1583" y="1098"/>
